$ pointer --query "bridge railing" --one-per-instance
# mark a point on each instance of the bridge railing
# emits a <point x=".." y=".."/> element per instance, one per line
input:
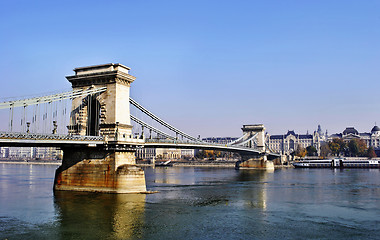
<point x="155" y="140"/>
<point x="187" y="142"/>
<point x="42" y="136"/>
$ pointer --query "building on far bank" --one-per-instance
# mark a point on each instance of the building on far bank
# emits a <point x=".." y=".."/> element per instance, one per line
<point x="27" y="153"/>
<point x="187" y="153"/>
<point x="145" y="153"/>
<point x="371" y="139"/>
<point x="4" y="152"/>
<point x="288" y="143"/>
<point x="47" y="153"/>
<point x="164" y="153"/>
<point x="21" y="152"/>
<point x="168" y="153"/>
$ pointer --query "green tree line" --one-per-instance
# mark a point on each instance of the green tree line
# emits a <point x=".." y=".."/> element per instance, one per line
<point x="338" y="147"/>
<point x="354" y="148"/>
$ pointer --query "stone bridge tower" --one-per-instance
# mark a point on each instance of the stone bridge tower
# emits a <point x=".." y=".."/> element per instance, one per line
<point x="255" y="132"/>
<point x="105" y="114"/>
<point x="254" y="136"/>
<point x="111" y="166"/>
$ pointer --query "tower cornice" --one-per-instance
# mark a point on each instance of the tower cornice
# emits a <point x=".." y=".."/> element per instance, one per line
<point x="101" y="78"/>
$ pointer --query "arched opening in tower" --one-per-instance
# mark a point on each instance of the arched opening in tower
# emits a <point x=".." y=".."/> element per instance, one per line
<point x="93" y="116"/>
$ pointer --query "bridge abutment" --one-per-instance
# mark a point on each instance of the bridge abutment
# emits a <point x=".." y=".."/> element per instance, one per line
<point x="99" y="170"/>
<point x="255" y="162"/>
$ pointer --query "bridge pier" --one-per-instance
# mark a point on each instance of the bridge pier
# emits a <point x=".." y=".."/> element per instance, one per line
<point x="99" y="170"/>
<point x="254" y="136"/>
<point x="254" y="162"/>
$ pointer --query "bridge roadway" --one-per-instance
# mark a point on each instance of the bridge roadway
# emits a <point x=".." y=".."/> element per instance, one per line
<point x="15" y="139"/>
<point x="12" y="139"/>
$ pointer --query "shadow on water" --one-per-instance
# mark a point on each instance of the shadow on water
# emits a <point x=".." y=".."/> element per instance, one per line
<point x="99" y="216"/>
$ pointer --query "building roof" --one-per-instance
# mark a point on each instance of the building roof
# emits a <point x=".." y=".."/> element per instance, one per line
<point x="336" y="135"/>
<point x="375" y="129"/>
<point x="364" y="134"/>
<point x="300" y="136"/>
<point x="276" y="136"/>
<point x="350" y="130"/>
<point x="291" y="133"/>
<point x="305" y="136"/>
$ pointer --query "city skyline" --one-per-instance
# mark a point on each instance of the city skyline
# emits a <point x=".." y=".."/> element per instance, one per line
<point x="209" y="67"/>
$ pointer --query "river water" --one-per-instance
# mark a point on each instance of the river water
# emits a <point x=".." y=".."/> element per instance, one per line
<point x="196" y="203"/>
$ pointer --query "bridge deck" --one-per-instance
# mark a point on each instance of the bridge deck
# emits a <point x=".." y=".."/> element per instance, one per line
<point x="12" y="139"/>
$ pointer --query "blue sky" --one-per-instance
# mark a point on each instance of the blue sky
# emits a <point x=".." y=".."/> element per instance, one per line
<point x="208" y="67"/>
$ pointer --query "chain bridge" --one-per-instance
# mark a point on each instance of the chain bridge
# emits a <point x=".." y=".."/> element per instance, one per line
<point x="99" y="127"/>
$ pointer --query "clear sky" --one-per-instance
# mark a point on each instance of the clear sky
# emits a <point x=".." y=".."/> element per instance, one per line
<point x="208" y="67"/>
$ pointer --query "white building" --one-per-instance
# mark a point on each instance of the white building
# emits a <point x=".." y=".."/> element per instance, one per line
<point x="164" y="153"/>
<point x="4" y="152"/>
<point x="24" y="153"/>
<point x="21" y="152"/>
<point x="288" y="143"/>
<point x="47" y="153"/>
<point x="187" y="153"/>
<point x="168" y="153"/>
<point x="146" y="153"/>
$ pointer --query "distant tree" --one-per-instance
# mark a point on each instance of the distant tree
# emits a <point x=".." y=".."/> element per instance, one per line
<point x="363" y="150"/>
<point x="371" y="153"/>
<point x="334" y="147"/>
<point x="353" y="147"/>
<point x="342" y="144"/>
<point x="300" y="151"/>
<point x="210" y="154"/>
<point x="200" y="154"/>
<point x="357" y="147"/>
<point x="325" y="150"/>
<point x="311" y="151"/>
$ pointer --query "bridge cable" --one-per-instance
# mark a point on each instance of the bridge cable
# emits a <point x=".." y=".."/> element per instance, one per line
<point x="244" y="142"/>
<point x="237" y="140"/>
<point x="51" y="98"/>
<point x="11" y="119"/>
<point x="154" y="117"/>
<point x="138" y="121"/>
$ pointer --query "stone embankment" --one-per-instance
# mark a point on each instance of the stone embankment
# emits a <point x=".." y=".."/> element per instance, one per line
<point x="223" y="164"/>
<point x="31" y="162"/>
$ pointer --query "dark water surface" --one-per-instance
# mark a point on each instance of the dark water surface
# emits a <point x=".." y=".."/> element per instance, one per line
<point x="196" y="203"/>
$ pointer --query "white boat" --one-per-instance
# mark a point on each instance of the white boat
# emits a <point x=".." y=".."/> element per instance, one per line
<point x="338" y="163"/>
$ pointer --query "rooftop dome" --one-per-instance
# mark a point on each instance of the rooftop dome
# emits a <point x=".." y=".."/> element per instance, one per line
<point x="375" y="129"/>
<point x="350" y="130"/>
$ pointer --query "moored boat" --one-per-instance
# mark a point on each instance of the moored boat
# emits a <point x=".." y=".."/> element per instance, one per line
<point x="337" y="163"/>
<point x="164" y="164"/>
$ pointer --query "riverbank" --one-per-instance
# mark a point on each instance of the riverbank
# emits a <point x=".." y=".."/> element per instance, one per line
<point x="219" y="165"/>
<point x="190" y="164"/>
<point x="215" y="164"/>
<point x="31" y="162"/>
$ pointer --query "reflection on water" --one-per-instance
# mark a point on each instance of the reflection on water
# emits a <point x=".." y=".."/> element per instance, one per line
<point x="101" y="216"/>
<point x="255" y="197"/>
<point x="172" y="175"/>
